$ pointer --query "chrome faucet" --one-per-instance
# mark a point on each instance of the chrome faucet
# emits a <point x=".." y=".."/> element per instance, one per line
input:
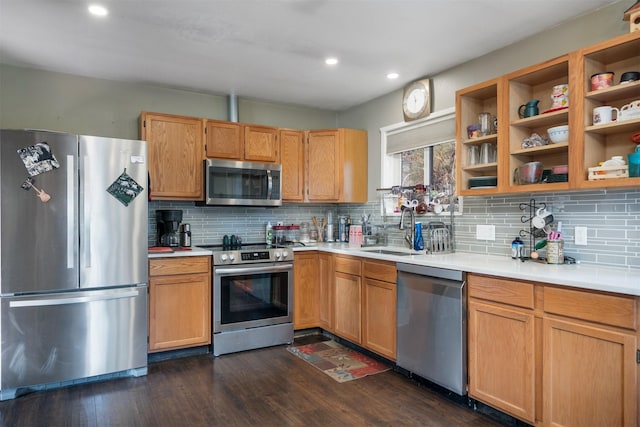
<point x="409" y="234"/>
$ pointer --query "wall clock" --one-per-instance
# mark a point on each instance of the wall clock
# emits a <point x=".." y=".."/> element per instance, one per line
<point x="416" y="100"/>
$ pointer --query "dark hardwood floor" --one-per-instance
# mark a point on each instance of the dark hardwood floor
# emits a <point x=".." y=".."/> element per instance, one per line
<point x="266" y="387"/>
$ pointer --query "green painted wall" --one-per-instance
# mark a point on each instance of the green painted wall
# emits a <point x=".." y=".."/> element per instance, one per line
<point x="580" y="32"/>
<point x="62" y="102"/>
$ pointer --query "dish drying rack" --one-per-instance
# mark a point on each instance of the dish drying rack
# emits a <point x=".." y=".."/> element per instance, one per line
<point x="532" y="232"/>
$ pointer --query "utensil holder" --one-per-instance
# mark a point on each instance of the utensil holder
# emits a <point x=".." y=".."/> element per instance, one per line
<point x="555" y="251"/>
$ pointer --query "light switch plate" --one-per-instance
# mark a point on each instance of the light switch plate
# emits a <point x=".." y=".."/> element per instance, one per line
<point x="485" y="232"/>
<point x="580" y="236"/>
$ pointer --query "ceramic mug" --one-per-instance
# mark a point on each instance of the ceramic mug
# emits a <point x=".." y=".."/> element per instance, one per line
<point x="560" y="96"/>
<point x="543" y="218"/>
<point x="603" y="115"/>
<point x="529" y="109"/>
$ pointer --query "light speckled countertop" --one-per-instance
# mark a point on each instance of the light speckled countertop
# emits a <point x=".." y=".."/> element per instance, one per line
<point x="586" y="276"/>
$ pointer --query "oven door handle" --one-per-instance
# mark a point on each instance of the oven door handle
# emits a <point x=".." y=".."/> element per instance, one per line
<point x="225" y="271"/>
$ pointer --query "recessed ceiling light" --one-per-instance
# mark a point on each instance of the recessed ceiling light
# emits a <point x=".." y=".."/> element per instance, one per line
<point x="98" y="10"/>
<point x="331" y="61"/>
<point x="392" y="76"/>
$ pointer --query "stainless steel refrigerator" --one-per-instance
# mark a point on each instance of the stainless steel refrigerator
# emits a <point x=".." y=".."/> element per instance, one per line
<point x="73" y="250"/>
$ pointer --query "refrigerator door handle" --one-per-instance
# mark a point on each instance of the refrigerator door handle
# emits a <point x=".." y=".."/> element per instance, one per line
<point x="71" y="218"/>
<point x="73" y="300"/>
<point x="85" y="220"/>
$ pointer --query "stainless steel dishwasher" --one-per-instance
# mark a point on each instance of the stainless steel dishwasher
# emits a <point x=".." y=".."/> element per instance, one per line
<point x="432" y="325"/>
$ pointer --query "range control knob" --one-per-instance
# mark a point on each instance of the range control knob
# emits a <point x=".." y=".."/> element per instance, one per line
<point x="232" y="257"/>
<point x="223" y="257"/>
<point x="277" y="255"/>
<point x="285" y="254"/>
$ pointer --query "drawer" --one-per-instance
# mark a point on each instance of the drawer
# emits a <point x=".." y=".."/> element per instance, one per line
<point x="385" y="272"/>
<point x="520" y="294"/>
<point x="597" y="307"/>
<point x="179" y="265"/>
<point x="348" y="265"/>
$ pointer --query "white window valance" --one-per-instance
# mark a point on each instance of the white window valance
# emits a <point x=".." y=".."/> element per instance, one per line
<point x="439" y="127"/>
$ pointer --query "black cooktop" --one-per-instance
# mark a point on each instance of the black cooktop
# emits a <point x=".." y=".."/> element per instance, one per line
<point x="243" y="247"/>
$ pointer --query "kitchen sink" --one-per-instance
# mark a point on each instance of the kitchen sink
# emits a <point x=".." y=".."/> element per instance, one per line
<point x="389" y="252"/>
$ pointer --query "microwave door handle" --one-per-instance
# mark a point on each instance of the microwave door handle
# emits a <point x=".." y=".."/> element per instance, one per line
<point x="269" y="184"/>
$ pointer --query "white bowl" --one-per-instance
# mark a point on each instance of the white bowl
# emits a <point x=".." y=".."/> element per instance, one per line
<point x="558" y="133"/>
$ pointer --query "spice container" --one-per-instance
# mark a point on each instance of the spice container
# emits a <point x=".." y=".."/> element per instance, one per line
<point x="279" y="237"/>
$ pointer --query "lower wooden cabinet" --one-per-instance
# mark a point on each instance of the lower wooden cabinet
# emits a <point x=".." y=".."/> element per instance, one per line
<point x="347" y="297"/>
<point x="501" y="358"/>
<point x="589" y="359"/>
<point x="552" y="355"/>
<point x="179" y="302"/>
<point x="326" y="309"/>
<point x="379" y="323"/>
<point x="306" y="292"/>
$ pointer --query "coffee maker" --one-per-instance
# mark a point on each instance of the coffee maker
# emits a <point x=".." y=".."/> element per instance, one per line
<point x="168" y="227"/>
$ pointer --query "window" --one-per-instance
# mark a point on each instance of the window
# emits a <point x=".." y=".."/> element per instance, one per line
<point x="421" y="152"/>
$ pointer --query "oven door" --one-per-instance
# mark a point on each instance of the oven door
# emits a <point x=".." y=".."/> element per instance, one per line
<point x="252" y="296"/>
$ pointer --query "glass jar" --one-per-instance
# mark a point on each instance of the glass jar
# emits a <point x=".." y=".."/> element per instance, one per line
<point x="293" y="233"/>
<point x="304" y="232"/>
<point x="279" y="237"/>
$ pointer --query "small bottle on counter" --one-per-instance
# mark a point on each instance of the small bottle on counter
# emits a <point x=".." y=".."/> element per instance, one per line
<point x="517" y="248"/>
<point x="269" y="233"/>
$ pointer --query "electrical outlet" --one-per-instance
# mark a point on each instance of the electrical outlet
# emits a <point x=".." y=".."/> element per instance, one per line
<point x="485" y="232"/>
<point x="580" y="236"/>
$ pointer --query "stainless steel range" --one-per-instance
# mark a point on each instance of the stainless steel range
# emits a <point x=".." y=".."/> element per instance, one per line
<point x="252" y="297"/>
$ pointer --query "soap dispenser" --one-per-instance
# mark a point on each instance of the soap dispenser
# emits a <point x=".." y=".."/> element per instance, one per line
<point x="418" y="241"/>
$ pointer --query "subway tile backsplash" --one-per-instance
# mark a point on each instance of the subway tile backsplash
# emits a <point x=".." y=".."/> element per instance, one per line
<point x="612" y="218"/>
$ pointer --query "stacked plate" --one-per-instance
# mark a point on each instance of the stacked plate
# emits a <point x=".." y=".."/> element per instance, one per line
<point x="483" y="182"/>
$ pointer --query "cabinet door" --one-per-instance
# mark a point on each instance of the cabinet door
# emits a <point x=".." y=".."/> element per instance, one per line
<point x="261" y="144"/>
<point x="348" y="309"/>
<point x="179" y="311"/>
<point x="325" y="165"/>
<point x="502" y="359"/>
<point x="224" y="140"/>
<point x="325" y="315"/>
<point x="306" y="291"/>
<point x="379" y="323"/>
<point x="292" y="159"/>
<point x="175" y="155"/>
<point x="589" y="376"/>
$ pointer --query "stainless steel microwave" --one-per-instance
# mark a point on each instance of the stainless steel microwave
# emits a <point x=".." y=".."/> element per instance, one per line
<point x="229" y="182"/>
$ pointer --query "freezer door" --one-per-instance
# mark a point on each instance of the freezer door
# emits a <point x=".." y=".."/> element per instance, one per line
<point x="72" y="335"/>
<point x="113" y="237"/>
<point x="38" y="238"/>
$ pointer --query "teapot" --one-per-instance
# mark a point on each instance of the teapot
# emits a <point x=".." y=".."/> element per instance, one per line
<point x="529" y="109"/>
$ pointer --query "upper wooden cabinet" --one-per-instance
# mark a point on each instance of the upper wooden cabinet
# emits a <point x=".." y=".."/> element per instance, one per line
<point x="224" y="140"/>
<point x="292" y="159"/>
<point x="261" y="144"/>
<point x="235" y="141"/>
<point x="470" y="102"/>
<point x="337" y="166"/>
<point x="601" y="142"/>
<point x="536" y="83"/>
<point x="175" y="155"/>
<point x="587" y="144"/>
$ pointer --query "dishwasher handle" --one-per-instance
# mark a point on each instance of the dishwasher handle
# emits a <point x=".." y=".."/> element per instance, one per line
<point x="423" y="270"/>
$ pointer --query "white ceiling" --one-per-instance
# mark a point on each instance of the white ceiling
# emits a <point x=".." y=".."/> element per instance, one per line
<point x="271" y="50"/>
